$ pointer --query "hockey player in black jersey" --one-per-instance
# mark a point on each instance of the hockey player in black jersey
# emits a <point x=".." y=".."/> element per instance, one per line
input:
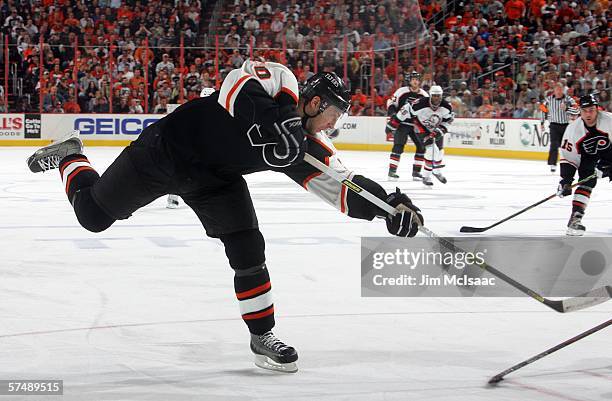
<point x="201" y="152"/>
<point x="405" y="94"/>
<point x="431" y="118"/>
<point x="585" y="146"/>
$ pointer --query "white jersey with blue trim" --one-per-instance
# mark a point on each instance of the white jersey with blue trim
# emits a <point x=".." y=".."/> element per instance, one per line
<point x="425" y="117"/>
<point x="273" y="77"/>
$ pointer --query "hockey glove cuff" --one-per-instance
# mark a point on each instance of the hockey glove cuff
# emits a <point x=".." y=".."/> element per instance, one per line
<point x="407" y="220"/>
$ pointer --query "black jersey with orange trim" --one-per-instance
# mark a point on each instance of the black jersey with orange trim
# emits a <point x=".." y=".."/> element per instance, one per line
<point x="203" y="133"/>
<point x="214" y="144"/>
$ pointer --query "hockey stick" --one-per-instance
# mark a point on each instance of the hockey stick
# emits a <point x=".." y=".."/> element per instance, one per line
<point x="467" y="229"/>
<point x="500" y="376"/>
<point x="586" y="300"/>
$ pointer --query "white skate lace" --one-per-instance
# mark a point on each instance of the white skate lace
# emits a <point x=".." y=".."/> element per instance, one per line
<point x="270" y="341"/>
<point x="49" y="162"/>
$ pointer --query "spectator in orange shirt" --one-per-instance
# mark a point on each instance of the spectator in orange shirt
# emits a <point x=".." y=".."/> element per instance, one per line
<point x="137" y="79"/>
<point x="486" y="109"/>
<point x="515" y="9"/>
<point x="535" y="7"/>
<point x="359" y="96"/>
<point x="140" y="53"/>
<point x="451" y="21"/>
<point x="71" y="106"/>
<point x="124" y="12"/>
<point x="356" y="107"/>
<point x="71" y="20"/>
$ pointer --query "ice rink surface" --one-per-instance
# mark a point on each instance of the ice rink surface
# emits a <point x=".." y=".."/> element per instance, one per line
<point x="146" y="310"/>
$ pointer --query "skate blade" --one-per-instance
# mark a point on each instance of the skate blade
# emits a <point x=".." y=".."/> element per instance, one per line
<point x="392" y="179"/>
<point x="442" y="180"/>
<point x="172" y="206"/>
<point x="571" y="232"/>
<point x="73" y="134"/>
<point x="264" y="362"/>
<point x="417" y="179"/>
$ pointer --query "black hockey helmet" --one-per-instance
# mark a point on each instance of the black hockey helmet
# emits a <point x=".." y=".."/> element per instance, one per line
<point x="330" y="88"/>
<point x="409" y="75"/>
<point x="588" y="101"/>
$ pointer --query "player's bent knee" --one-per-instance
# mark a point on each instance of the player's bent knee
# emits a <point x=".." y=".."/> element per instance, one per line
<point x="244" y="249"/>
<point x="89" y="214"/>
<point x="398" y="148"/>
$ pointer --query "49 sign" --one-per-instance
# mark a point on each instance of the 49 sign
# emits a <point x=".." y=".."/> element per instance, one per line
<point x="498" y="137"/>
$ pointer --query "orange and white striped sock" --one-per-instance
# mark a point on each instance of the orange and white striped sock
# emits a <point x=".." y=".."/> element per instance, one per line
<point x="254" y="294"/>
<point x="582" y="195"/>
<point x="76" y="173"/>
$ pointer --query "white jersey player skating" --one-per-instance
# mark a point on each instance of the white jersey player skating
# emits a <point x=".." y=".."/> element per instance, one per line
<point x="585" y="147"/>
<point x="173" y="200"/>
<point x="431" y="117"/>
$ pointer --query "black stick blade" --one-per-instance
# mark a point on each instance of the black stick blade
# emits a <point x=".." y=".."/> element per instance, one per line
<point x="496" y="379"/>
<point x="466" y="229"/>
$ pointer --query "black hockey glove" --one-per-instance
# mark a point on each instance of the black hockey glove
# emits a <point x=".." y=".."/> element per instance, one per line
<point x="604" y="169"/>
<point x="407" y="221"/>
<point x="392" y="125"/>
<point x="437" y="133"/>
<point x="291" y="141"/>
<point x="431" y="137"/>
<point x="564" y="189"/>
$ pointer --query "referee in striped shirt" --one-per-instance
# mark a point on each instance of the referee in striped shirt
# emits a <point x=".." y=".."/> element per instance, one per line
<point x="555" y="109"/>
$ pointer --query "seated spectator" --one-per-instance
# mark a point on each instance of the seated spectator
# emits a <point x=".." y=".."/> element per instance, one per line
<point x="71" y="106"/>
<point x="135" y="107"/>
<point x="359" y="97"/>
<point x="165" y="63"/>
<point x="51" y="99"/>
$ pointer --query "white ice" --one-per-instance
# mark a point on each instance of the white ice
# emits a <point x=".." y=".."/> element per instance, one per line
<point x="146" y="310"/>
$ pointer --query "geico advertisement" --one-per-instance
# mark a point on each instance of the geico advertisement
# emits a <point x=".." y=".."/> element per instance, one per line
<point x="102" y="126"/>
<point x="11" y="126"/>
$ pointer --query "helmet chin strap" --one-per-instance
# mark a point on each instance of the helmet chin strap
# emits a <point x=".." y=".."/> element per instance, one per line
<point x="307" y="116"/>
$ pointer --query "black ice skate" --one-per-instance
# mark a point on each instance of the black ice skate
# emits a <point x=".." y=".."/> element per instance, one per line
<point x="272" y="354"/>
<point x="417" y="176"/>
<point x="49" y="157"/>
<point x="574" y="226"/>
<point x="439" y="176"/>
<point x="392" y="176"/>
<point x="427" y="180"/>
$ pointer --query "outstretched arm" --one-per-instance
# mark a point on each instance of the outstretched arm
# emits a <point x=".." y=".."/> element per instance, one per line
<point x="337" y="195"/>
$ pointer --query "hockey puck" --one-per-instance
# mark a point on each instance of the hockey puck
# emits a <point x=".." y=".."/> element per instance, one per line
<point x="593" y="263"/>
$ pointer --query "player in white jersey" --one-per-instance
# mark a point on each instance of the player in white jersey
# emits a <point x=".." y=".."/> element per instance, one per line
<point x="431" y="117"/>
<point x="585" y="145"/>
<point x="173" y="200"/>
<point x="405" y="94"/>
